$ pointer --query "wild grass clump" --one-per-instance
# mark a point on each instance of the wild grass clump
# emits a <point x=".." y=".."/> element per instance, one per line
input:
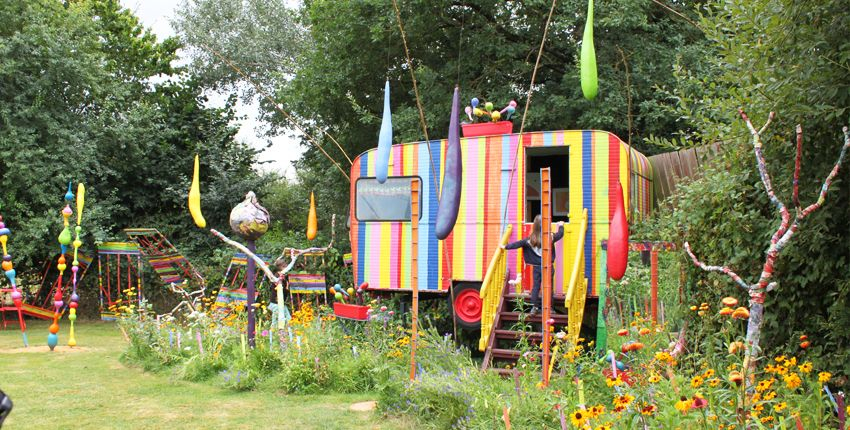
<point x="313" y="355"/>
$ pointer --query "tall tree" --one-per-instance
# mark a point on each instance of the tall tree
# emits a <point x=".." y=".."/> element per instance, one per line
<point x="262" y="37"/>
<point x="791" y="57"/>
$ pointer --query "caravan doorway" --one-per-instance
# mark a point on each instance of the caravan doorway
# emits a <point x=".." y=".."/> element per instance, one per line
<point x="557" y="158"/>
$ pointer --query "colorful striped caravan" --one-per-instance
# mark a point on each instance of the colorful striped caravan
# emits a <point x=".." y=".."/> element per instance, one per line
<point x="589" y="163"/>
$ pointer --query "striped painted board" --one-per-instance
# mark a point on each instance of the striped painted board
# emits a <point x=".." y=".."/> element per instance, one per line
<point x="306" y="283"/>
<point x="241" y="259"/>
<point x="166" y="260"/>
<point x="122" y="248"/>
<point x="227" y="296"/>
<point x="167" y="268"/>
<point x="35" y="311"/>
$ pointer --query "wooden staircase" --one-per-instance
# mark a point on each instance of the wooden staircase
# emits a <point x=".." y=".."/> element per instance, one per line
<point x="502" y="346"/>
<point x="501" y="314"/>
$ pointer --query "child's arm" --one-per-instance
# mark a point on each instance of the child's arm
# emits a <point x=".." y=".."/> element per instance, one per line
<point x="560" y="232"/>
<point x="515" y="245"/>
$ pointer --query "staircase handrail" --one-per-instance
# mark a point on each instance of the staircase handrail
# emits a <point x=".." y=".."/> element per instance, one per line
<point x="574" y="299"/>
<point x="492" y="286"/>
<point x="571" y="289"/>
<point x="491" y="268"/>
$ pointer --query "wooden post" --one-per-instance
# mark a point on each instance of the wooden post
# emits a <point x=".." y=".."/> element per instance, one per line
<point x="654" y="283"/>
<point x="546" y="265"/>
<point x="249" y="302"/>
<point x="138" y="276"/>
<point x="414" y="272"/>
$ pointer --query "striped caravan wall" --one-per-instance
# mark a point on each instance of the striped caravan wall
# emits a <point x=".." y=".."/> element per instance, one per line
<point x="641" y="186"/>
<point x="382" y="249"/>
<point x="598" y="160"/>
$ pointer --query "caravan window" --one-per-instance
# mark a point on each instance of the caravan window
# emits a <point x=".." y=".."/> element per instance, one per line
<point x="389" y="201"/>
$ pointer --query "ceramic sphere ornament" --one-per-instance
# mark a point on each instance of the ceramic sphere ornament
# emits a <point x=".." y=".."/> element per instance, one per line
<point x="249" y="219"/>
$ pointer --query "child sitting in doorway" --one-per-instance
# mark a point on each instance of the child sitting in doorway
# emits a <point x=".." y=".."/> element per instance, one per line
<point x="532" y="253"/>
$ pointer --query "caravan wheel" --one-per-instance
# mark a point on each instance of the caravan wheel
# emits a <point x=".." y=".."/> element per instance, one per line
<point x="467" y="305"/>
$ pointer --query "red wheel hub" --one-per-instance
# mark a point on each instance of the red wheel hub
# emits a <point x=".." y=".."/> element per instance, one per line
<point x="468" y="306"/>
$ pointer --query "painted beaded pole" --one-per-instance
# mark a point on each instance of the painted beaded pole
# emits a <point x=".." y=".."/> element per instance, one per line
<point x="64" y="241"/>
<point x="75" y="265"/>
<point x="9" y="269"/>
<point x="250" y="220"/>
<point x="787" y="227"/>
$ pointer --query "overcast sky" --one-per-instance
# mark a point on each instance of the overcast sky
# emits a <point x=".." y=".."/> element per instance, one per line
<point x="157" y="15"/>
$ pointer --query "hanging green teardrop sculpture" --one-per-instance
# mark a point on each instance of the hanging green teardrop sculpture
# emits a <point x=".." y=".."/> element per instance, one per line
<point x="589" y="78"/>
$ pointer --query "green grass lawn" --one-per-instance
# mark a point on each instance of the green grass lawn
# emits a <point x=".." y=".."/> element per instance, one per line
<point x="89" y="387"/>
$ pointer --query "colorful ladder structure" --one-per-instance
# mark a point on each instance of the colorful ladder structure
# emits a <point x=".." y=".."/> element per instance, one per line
<point x="26" y="309"/>
<point x="43" y="298"/>
<point x="168" y="263"/>
<point x="122" y="264"/>
<point x="233" y="288"/>
<point x="15" y="296"/>
<point x="7" y="305"/>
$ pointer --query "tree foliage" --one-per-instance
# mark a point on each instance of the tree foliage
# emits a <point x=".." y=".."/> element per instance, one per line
<point x="77" y="103"/>
<point x="262" y="37"/>
<point x="488" y="47"/>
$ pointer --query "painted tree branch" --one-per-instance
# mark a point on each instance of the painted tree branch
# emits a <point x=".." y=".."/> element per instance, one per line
<point x="765" y="176"/>
<point x="276" y="280"/>
<point x="190" y="300"/>
<point x="781" y="236"/>
<point x="720" y="269"/>
<point x="260" y="263"/>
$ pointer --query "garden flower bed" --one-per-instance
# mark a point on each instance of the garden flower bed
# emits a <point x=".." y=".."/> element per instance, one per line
<point x="647" y="386"/>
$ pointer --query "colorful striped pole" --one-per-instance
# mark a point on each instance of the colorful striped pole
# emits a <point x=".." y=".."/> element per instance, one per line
<point x="64" y="241"/>
<point x="9" y="269"/>
<point x="546" y="266"/>
<point x="100" y="283"/>
<point x="75" y="265"/>
<point x="414" y="277"/>
<point x="654" y="284"/>
<point x="249" y="302"/>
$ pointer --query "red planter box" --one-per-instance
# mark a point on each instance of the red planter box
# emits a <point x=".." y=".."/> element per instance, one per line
<point x="354" y="312"/>
<point x="487" y="128"/>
